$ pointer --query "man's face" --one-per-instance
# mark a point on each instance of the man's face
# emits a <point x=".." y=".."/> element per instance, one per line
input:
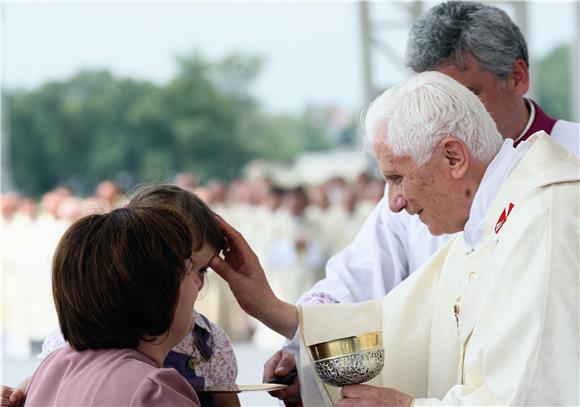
<point x="502" y="99"/>
<point x="428" y="191"/>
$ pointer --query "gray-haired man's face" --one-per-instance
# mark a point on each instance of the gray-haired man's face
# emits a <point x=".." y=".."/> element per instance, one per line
<point x="502" y="99"/>
<point x="427" y="191"/>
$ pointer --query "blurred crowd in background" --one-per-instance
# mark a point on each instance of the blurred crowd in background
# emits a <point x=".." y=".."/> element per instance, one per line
<point x="300" y="187"/>
<point x="294" y="230"/>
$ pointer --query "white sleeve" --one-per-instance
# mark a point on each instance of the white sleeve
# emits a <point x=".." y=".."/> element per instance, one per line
<point x="369" y="267"/>
<point x="372" y="265"/>
<point x="53" y="342"/>
<point x="387" y="249"/>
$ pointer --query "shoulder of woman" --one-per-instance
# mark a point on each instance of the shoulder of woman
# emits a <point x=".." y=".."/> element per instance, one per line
<point x="164" y="387"/>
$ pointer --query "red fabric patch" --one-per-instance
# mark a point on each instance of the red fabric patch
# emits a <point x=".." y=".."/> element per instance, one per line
<point x="503" y="217"/>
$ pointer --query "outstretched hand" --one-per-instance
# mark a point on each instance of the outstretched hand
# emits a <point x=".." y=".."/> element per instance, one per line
<point x="241" y="268"/>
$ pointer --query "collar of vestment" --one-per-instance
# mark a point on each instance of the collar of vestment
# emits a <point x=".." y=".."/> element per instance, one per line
<point x="545" y="163"/>
<point x="511" y="174"/>
<point x="538" y="121"/>
<point x="496" y="173"/>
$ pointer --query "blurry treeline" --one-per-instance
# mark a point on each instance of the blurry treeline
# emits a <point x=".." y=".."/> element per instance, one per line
<point x="553" y="82"/>
<point x="96" y="126"/>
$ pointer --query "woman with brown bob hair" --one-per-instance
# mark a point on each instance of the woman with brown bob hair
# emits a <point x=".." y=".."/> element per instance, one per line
<point x="124" y="286"/>
<point x="205" y="356"/>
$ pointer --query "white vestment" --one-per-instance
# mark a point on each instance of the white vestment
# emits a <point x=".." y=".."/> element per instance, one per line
<point x="390" y="246"/>
<point x="493" y="317"/>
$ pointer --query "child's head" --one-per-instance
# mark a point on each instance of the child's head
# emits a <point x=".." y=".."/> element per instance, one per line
<point x="205" y="228"/>
<point x="117" y="277"/>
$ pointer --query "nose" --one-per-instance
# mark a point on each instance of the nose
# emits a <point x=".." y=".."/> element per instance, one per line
<point x="397" y="201"/>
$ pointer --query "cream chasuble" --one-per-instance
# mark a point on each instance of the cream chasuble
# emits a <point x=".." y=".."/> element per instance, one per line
<point x="493" y="325"/>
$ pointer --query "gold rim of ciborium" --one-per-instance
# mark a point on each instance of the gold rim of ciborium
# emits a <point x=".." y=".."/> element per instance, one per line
<point x="346" y="346"/>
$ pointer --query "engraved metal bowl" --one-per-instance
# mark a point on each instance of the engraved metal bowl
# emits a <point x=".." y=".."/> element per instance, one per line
<point x="350" y="360"/>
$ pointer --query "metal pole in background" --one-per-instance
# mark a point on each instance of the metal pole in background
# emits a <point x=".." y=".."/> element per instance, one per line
<point x="375" y="39"/>
<point x="367" y="73"/>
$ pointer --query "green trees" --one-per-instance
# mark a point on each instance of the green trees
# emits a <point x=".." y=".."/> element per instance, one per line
<point x="95" y="126"/>
<point x="553" y="82"/>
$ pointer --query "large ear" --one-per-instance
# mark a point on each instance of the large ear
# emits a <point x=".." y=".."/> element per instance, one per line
<point x="520" y="77"/>
<point x="455" y="156"/>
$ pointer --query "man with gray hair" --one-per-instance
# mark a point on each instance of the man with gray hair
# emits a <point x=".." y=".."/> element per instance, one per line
<point x="492" y="317"/>
<point x="479" y="46"/>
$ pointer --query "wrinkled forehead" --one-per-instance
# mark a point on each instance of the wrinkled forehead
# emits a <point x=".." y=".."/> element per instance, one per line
<point x="381" y="147"/>
<point x="389" y="162"/>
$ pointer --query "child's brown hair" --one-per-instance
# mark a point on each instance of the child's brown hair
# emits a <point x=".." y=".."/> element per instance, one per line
<point x="203" y="223"/>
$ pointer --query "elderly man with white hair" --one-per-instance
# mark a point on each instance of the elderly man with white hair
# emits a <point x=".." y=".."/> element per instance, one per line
<point x="492" y="318"/>
<point x="482" y="48"/>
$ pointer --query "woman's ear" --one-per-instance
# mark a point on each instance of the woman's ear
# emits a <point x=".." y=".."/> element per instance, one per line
<point x="455" y="156"/>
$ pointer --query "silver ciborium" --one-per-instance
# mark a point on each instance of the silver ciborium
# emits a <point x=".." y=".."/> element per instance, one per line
<point x="351" y="360"/>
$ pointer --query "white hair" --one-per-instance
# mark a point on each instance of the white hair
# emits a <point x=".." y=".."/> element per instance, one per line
<point x="411" y="118"/>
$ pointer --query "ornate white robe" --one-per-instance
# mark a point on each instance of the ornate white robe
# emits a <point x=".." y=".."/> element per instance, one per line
<point x="495" y="324"/>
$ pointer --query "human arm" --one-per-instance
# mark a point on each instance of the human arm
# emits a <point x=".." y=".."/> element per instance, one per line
<point x="375" y="262"/>
<point x="14" y="396"/>
<point x="386" y="249"/>
<point x="241" y="268"/>
<point x="371" y="265"/>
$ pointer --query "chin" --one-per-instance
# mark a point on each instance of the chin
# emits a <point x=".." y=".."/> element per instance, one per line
<point x="435" y="231"/>
<point x="438" y="229"/>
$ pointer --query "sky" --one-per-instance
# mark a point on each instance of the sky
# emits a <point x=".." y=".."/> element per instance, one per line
<point x="311" y="49"/>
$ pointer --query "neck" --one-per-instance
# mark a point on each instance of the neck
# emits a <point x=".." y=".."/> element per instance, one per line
<point x="477" y="173"/>
<point x="518" y="124"/>
<point x="157" y="349"/>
